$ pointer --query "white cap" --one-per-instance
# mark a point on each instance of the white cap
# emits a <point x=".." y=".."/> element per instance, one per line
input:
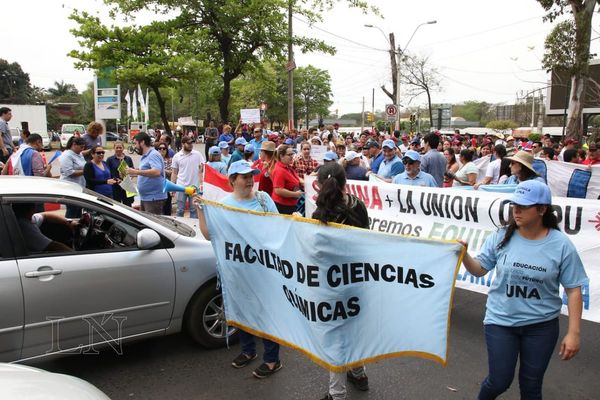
<point x="351" y="155"/>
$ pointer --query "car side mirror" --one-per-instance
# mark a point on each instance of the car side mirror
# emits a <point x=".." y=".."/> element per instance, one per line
<point x="147" y="239"/>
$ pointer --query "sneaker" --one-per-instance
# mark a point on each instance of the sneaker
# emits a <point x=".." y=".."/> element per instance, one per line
<point x="242" y="360"/>
<point x="361" y="383"/>
<point x="263" y="371"/>
<point x="327" y="397"/>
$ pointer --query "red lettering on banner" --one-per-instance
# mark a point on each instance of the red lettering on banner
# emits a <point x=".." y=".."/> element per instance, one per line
<point x="362" y="192"/>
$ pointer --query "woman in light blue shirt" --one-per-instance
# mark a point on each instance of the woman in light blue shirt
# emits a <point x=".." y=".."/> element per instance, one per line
<point x="71" y="169"/>
<point x="241" y="179"/>
<point x="531" y="258"/>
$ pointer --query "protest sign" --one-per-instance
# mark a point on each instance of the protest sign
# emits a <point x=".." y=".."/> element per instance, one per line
<point x="317" y="152"/>
<point x="336" y="288"/>
<point x="472" y="215"/>
<point x="250" y="115"/>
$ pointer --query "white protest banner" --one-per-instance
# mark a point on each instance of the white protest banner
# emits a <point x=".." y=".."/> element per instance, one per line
<point x="317" y="152"/>
<point x="329" y="290"/>
<point x="250" y="115"/>
<point x="447" y="214"/>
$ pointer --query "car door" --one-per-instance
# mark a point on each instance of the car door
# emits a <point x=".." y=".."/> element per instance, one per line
<point x="11" y="299"/>
<point x="73" y="300"/>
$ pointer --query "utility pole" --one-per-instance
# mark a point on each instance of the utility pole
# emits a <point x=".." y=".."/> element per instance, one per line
<point x="541" y="115"/>
<point x="398" y="63"/>
<point x="362" y="119"/>
<point x="290" y="67"/>
<point x="532" y="109"/>
<point x="373" y="106"/>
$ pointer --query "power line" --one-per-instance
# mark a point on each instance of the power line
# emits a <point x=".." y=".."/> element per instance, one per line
<point x="474" y="87"/>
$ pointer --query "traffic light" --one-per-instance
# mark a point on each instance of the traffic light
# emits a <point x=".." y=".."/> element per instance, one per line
<point x="370" y="117"/>
<point x="413" y="118"/>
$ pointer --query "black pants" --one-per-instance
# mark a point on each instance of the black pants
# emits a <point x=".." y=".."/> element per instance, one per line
<point x="289" y="210"/>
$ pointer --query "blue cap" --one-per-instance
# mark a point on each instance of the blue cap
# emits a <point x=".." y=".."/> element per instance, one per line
<point x="240" y="141"/>
<point x="223" y="145"/>
<point x="214" y="150"/>
<point x="288" y="141"/>
<point x="248" y="148"/>
<point x="531" y="192"/>
<point x="416" y="141"/>
<point x="413" y="155"/>
<point x="389" y="143"/>
<point x="241" y="167"/>
<point x="330" y="156"/>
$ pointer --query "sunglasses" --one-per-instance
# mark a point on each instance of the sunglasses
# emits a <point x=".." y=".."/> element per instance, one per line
<point x="162" y="148"/>
<point x="100" y="153"/>
<point x="408" y="162"/>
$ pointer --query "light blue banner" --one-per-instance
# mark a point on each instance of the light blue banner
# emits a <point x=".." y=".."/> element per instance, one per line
<point x="342" y="296"/>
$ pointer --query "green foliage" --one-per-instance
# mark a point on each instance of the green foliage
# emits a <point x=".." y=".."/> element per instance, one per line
<point x="313" y="91"/>
<point x="63" y="91"/>
<point x="15" y="87"/>
<point x="534" y="137"/>
<point x="474" y="111"/>
<point x="501" y="125"/>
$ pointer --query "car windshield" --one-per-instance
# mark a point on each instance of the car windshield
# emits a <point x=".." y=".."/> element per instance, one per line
<point x="167" y="222"/>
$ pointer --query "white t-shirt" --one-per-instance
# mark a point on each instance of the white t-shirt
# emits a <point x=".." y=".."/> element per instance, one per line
<point x="188" y="167"/>
<point x="462" y="174"/>
<point x="493" y="171"/>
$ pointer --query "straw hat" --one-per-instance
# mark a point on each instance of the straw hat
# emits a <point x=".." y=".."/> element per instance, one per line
<point x="524" y="158"/>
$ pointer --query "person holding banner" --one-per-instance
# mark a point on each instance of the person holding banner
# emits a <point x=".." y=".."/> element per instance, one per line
<point x="335" y="205"/>
<point x="241" y="178"/>
<point x="531" y="258"/>
<point x="413" y="175"/>
<point x="286" y="183"/>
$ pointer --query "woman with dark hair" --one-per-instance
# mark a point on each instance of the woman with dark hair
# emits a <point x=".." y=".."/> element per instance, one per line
<point x="163" y="150"/>
<point x="504" y="171"/>
<point x="97" y="173"/>
<point x="521" y="168"/>
<point x="71" y="169"/>
<point x="286" y="183"/>
<point x="467" y="175"/>
<point x="335" y="205"/>
<point x="264" y="164"/>
<point x="451" y="165"/>
<point x="119" y="194"/>
<point x="531" y="258"/>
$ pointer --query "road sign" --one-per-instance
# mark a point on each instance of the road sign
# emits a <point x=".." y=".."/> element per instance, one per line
<point x="263" y="106"/>
<point x="391" y="110"/>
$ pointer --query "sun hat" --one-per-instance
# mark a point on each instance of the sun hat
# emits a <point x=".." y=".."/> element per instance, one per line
<point x="351" y="155"/>
<point x="267" y="145"/>
<point x="223" y="145"/>
<point x="413" y="155"/>
<point x="531" y="192"/>
<point x="214" y="150"/>
<point x="524" y="158"/>
<point x="389" y="144"/>
<point x="330" y="156"/>
<point x="241" y="167"/>
<point x="240" y="141"/>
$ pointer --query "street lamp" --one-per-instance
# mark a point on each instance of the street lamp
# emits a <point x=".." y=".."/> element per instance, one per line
<point x="399" y="52"/>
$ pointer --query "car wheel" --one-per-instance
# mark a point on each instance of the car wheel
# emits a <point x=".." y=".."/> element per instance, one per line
<point x="205" y="322"/>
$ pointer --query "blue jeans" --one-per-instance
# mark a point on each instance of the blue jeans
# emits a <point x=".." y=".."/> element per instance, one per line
<point x="532" y="344"/>
<point x="248" y="343"/>
<point x="182" y="198"/>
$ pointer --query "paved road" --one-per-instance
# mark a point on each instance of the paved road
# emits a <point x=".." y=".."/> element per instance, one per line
<point x="174" y="368"/>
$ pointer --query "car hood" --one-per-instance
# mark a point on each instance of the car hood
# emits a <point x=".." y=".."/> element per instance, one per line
<point x="20" y="382"/>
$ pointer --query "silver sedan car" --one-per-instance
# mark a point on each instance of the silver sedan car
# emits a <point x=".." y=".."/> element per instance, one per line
<point x="112" y="274"/>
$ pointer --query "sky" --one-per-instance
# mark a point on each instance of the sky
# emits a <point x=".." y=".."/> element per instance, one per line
<point x="483" y="50"/>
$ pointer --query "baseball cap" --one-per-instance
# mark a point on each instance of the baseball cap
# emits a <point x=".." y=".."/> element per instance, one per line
<point x="248" y="148"/>
<point x="371" y="143"/>
<point x="330" y="156"/>
<point x="531" y="192"/>
<point x="241" y="167"/>
<point x="416" y="141"/>
<point x="240" y="141"/>
<point x="389" y="144"/>
<point x="413" y="155"/>
<point x="214" y="150"/>
<point x="223" y="145"/>
<point x="288" y="141"/>
<point x="351" y="155"/>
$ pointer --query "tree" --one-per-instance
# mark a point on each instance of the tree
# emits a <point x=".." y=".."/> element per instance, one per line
<point x="150" y="55"/>
<point x="63" y="91"/>
<point x="422" y="78"/>
<point x="473" y="110"/>
<point x="14" y="83"/>
<point x="231" y="36"/>
<point x="313" y="87"/>
<point x="501" y="125"/>
<point x="568" y="47"/>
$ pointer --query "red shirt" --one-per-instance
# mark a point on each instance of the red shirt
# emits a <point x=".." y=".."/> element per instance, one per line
<point x="587" y="161"/>
<point x="264" y="180"/>
<point x="284" y="177"/>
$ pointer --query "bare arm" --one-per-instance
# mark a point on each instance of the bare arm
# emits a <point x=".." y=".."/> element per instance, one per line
<point x="570" y="345"/>
<point x="174" y="175"/>
<point x="287" y="193"/>
<point x="471" y="264"/>
<point x="202" y="218"/>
